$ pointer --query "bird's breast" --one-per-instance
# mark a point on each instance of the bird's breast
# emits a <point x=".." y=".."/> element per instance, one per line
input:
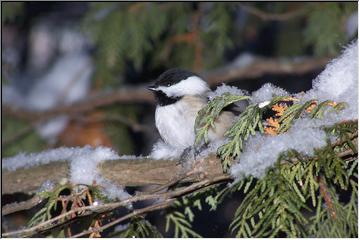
<point x="175" y="122"/>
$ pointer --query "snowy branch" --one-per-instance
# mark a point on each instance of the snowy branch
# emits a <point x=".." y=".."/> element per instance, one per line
<point x="128" y="172"/>
<point x="124" y="172"/>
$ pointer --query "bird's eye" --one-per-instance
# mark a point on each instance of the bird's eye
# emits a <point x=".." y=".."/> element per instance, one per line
<point x="168" y="84"/>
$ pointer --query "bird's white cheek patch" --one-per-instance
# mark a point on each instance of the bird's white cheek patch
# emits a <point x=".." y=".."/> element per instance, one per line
<point x="190" y="86"/>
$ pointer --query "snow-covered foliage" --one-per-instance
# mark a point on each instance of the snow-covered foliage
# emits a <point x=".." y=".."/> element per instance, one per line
<point x="262" y="151"/>
<point x="83" y="165"/>
<point x="226" y="89"/>
<point x="338" y="82"/>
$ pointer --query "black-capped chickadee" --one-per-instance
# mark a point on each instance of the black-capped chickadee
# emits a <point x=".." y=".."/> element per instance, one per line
<point x="180" y="95"/>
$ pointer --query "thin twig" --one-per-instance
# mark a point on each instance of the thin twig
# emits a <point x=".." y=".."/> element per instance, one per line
<point x="173" y="182"/>
<point x="326" y="195"/>
<point x="137" y="212"/>
<point x="346" y="153"/>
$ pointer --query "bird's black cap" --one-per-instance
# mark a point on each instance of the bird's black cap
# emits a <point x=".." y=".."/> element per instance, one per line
<point x="172" y="76"/>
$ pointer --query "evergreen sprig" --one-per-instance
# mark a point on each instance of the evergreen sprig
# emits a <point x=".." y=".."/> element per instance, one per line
<point x="45" y="213"/>
<point x="343" y="223"/>
<point x="271" y="207"/>
<point x="249" y="121"/>
<point x="207" y="116"/>
<point x="139" y="227"/>
<point x="181" y="223"/>
<point x="277" y="204"/>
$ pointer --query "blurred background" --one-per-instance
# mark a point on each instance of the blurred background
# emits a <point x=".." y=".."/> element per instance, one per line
<point x="74" y="74"/>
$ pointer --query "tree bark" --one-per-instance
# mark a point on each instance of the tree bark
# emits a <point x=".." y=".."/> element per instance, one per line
<point x="129" y="172"/>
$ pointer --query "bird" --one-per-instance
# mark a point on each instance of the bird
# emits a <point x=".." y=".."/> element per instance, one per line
<point x="180" y="94"/>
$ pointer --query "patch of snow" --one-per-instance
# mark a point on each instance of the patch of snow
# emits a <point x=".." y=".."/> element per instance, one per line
<point x="264" y="104"/>
<point x="226" y="89"/>
<point x="83" y="165"/>
<point x="112" y="191"/>
<point x="266" y="93"/>
<point x="262" y="151"/>
<point x="60" y="70"/>
<point x="23" y="160"/>
<point x="47" y="186"/>
<point x="339" y="82"/>
<point x="239" y="106"/>
<point x="131" y="157"/>
<point x="161" y="150"/>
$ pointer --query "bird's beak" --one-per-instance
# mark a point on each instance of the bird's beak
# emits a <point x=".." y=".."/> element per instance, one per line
<point x="152" y="88"/>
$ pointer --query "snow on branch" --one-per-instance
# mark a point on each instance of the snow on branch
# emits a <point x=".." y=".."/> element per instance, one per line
<point x="338" y="82"/>
<point x="83" y="162"/>
<point x="122" y="171"/>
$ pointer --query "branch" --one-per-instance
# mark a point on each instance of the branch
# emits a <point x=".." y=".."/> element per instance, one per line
<point x="139" y="172"/>
<point x="21" y="206"/>
<point x="139" y="94"/>
<point x="85" y="211"/>
<point x="265" y="16"/>
<point x="262" y="66"/>
<point x="327" y="197"/>
<point x="124" y="95"/>
<point x="135" y="213"/>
